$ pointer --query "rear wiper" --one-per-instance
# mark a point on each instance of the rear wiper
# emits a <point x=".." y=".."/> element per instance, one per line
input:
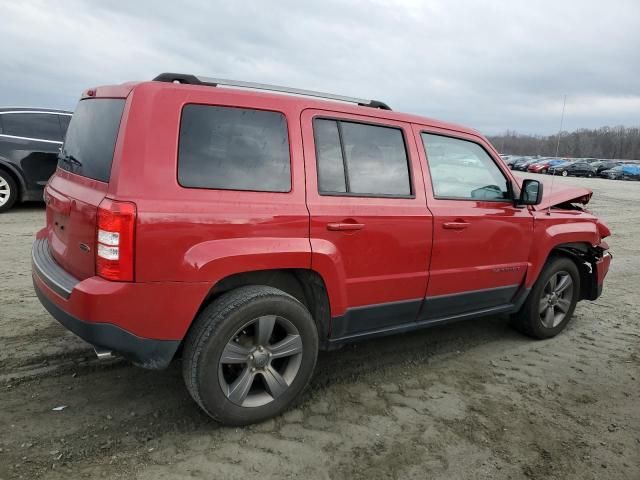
<point x="70" y="159"/>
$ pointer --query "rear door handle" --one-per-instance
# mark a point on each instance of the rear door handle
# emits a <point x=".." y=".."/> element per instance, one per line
<point x="345" y="227"/>
<point x="455" y="225"/>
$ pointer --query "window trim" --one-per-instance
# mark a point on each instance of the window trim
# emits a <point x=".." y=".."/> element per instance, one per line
<point x="36" y="139"/>
<point x="286" y="121"/>
<point x="338" y="121"/>
<point x="508" y="180"/>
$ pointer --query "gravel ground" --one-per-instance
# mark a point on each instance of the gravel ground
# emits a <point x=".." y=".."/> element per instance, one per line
<point x="472" y="400"/>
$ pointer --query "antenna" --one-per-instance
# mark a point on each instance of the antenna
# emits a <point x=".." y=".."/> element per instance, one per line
<point x="553" y="177"/>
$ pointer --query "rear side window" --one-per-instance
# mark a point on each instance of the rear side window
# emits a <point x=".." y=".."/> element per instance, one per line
<point x="39" y="126"/>
<point x="361" y="159"/>
<point x="230" y="148"/>
<point x="91" y="138"/>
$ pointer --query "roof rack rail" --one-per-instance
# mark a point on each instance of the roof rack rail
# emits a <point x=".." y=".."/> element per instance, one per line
<point x="214" y="82"/>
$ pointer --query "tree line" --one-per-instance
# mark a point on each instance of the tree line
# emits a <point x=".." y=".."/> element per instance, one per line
<point x="605" y="142"/>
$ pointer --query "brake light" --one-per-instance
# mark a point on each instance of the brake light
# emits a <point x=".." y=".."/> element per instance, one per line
<point x="115" y="240"/>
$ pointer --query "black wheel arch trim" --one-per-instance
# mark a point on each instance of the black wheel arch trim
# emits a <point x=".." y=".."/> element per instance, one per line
<point x="585" y="257"/>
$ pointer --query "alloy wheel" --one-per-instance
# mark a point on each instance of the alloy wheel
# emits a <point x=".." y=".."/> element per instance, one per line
<point x="556" y="299"/>
<point x="260" y="361"/>
<point x="5" y="191"/>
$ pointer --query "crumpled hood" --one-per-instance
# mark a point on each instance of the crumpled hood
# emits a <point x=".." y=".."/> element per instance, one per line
<point x="555" y="193"/>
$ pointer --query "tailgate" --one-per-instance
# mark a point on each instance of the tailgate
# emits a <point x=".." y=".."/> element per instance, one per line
<point x="72" y="206"/>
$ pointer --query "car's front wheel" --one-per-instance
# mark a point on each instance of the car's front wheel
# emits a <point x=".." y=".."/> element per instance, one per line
<point x="8" y="191"/>
<point x="565" y="173"/>
<point x="551" y="301"/>
<point x="249" y="354"/>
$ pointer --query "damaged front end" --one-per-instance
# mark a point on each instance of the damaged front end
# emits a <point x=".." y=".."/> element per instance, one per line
<point x="593" y="262"/>
<point x="565" y="198"/>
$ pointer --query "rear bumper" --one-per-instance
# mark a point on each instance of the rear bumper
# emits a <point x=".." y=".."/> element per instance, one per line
<point x="144" y="322"/>
<point x="145" y="352"/>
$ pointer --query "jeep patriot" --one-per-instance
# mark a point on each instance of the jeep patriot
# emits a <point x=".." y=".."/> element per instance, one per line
<point x="243" y="227"/>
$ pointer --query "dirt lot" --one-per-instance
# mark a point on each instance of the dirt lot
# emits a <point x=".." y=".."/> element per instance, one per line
<point x="471" y="400"/>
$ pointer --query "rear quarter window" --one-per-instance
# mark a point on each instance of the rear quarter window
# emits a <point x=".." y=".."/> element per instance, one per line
<point x="37" y="126"/>
<point x="230" y="148"/>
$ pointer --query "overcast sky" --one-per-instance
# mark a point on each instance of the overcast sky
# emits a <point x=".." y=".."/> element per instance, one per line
<point x="492" y="65"/>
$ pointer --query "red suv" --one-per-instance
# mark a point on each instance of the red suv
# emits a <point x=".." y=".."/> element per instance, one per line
<point x="247" y="230"/>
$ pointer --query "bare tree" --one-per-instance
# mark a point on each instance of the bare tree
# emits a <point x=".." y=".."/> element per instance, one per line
<point x="605" y="142"/>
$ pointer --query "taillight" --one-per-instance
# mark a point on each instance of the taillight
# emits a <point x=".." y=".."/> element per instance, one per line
<point x="115" y="240"/>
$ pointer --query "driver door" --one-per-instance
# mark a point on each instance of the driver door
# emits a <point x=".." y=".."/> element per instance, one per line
<point x="481" y="242"/>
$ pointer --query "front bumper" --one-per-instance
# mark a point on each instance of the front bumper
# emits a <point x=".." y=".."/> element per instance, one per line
<point x="144" y="322"/>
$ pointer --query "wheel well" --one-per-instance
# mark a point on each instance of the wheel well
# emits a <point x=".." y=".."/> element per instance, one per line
<point x="306" y="286"/>
<point x="585" y="257"/>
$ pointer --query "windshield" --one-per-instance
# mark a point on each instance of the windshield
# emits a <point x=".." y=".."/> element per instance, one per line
<point x="91" y="138"/>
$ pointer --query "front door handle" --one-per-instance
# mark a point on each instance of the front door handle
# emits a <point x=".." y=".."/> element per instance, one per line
<point x="455" y="225"/>
<point x="345" y="227"/>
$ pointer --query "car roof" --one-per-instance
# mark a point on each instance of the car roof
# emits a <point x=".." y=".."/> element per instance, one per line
<point x="33" y="109"/>
<point x="299" y="101"/>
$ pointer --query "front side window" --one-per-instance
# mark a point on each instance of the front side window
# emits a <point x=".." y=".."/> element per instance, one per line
<point x="361" y="159"/>
<point x="39" y="126"/>
<point x="230" y="148"/>
<point x="461" y="169"/>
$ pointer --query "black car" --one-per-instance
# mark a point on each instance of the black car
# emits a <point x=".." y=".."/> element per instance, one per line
<point x="576" y="169"/>
<point x="30" y="139"/>
<point x="603" y="165"/>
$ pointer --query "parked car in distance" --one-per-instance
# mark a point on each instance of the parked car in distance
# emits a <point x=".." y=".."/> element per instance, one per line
<point x="576" y="169"/>
<point x="523" y="164"/>
<point x="30" y="140"/>
<point x="624" y="171"/>
<point x="245" y="230"/>
<point x="543" y="166"/>
<point x="605" y="165"/>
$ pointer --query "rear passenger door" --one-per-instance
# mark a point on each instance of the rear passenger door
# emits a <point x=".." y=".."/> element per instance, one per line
<point x="370" y="227"/>
<point x="481" y="240"/>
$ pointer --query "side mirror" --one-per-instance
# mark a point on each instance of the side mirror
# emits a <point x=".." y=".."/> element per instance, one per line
<point x="531" y="192"/>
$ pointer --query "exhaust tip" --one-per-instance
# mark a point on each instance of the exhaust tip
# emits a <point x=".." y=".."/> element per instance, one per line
<point x="103" y="353"/>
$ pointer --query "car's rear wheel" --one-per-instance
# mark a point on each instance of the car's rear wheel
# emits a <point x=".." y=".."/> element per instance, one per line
<point x="8" y="191"/>
<point x="565" y="173"/>
<point x="552" y="300"/>
<point x="249" y="354"/>
<point x="544" y="170"/>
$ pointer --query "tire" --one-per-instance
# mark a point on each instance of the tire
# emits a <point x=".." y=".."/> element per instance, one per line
<point x="565" y="173"/>
<point x="529" y="320"/>
<point x="232" y="325"/>
<point x="8" y="191"/>
<point x="544" y="170"/>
